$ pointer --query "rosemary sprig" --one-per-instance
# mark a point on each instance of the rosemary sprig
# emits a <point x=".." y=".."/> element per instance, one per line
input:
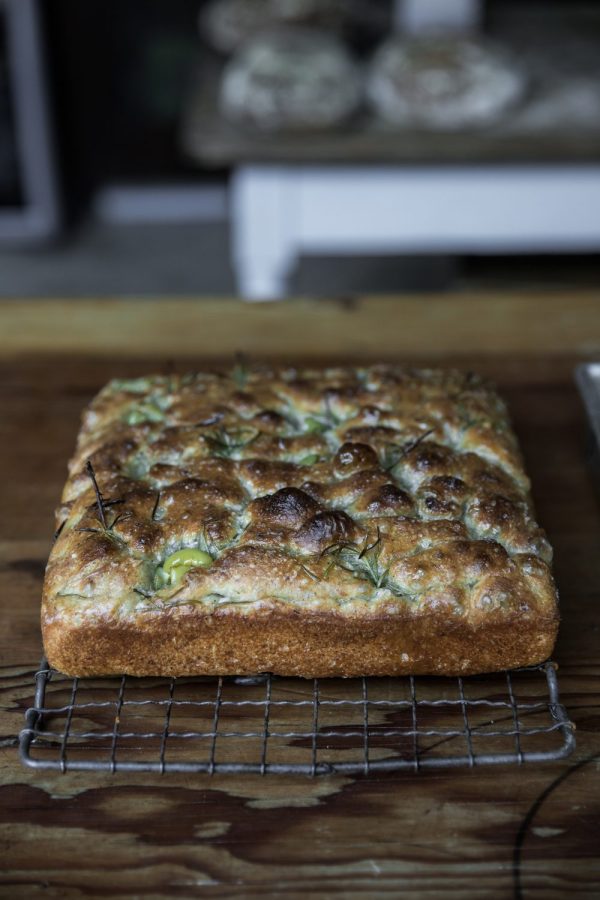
<point x="174" y="604"/>
<point x="314" y="425"/>
<point x="368" y="562"/>
<point x="330" y="416"/>
<point x="325" y="422"/>
<point x="99" y="498"/>
<point x="334" y="551"/>
<point x="310" y="573"/>
<point x="225" y="443"/>
<point x="211" y="420"/>
<point x="171" y="375"/>
<point x="362" y="561"/>
<point x="240" y="371"/>
<point x="473" y="418"/>
<point x="393" y="453"/>
<point x="309" y="460"/>
<point x="336" y="548"/>
<point x="108" y="531"/>
<point x="146" y="411"/>
<point x="368" y="547"/>
<point x="101" y="507"/>
<point x="207" y="544"/>
<point x="412" y="445"/>
<point x="58" y="531"/>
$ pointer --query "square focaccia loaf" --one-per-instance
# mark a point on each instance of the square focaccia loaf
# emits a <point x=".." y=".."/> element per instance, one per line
<point x="313" y="522"/>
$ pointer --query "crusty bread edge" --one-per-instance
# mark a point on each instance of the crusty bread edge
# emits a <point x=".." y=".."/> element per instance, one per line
<point x="297" y="643"/>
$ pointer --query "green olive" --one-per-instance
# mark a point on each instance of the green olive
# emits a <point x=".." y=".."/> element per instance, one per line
<point x="177" y="564"/>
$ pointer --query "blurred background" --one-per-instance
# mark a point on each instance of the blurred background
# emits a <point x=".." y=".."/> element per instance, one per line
<point x="317" y="147"/>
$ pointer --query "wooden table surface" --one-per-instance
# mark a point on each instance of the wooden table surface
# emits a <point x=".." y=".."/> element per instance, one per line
<point x="489" y="832"/>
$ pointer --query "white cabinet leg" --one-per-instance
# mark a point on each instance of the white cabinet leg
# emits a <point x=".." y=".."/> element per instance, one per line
<point x="262" y="211"/>
<point x="261" y="278"/>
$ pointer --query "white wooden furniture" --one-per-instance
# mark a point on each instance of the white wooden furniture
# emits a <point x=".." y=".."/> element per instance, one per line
<point x="279" y="212"/>
<point x="520" y="188"/>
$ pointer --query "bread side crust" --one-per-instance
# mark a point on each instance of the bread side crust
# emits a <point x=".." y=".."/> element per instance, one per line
<point x="296" y="643"/>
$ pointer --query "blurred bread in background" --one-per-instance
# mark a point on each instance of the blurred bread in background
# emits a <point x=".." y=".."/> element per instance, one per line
<point x="227" y="24"/>
<point x="291" y="78"/>
<point x="445" y="83"/>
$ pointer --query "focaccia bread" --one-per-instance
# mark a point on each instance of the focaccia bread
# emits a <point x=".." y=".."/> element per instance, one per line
<point x="345" y="521"/>
<point x="291" y="79"/>
<point x="227" y="24"/>
<point x="443" y="83"/>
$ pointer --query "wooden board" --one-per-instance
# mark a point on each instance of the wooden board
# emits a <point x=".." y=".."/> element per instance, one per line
<point x="523" y="832"/>
<point x="210" y="141"/>
<point x="521" y="136"/>
<point x="541" y="323"/>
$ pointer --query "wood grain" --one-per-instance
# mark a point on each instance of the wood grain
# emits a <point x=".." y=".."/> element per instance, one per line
<point x="356" y="328"/>
<point x="524" y="832"/>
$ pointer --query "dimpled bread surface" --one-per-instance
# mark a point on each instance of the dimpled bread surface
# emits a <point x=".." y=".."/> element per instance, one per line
<point x="359" y="521"/>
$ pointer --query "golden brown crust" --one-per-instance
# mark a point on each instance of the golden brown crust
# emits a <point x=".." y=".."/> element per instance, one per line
<point x="297" y="643"/>
<point x="361" y="521"/>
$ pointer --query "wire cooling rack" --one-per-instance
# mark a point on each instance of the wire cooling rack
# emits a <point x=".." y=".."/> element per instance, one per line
<point x="272" y="725"/>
